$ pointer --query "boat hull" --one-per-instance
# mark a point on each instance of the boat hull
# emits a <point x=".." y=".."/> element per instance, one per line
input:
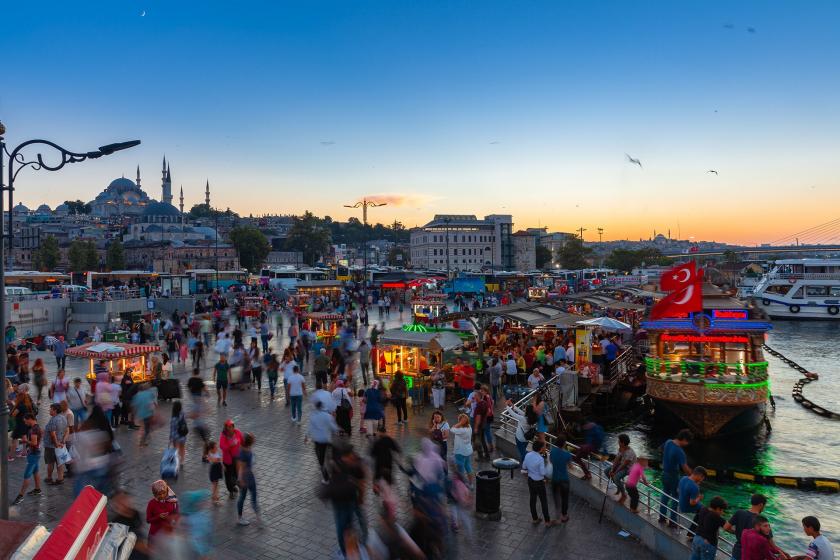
<point x="710" y="410"/>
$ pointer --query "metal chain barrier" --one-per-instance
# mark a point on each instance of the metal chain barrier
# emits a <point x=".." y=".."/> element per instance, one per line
<point x="809" y="377"/>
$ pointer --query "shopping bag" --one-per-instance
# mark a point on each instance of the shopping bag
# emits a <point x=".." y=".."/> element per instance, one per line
<point x="169" y="464"/>
<point x="62" y="455"/>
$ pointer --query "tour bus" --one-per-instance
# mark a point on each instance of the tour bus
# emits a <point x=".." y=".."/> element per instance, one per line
<point x="205" y="280"/>
<point x="287" y="277"/>
<point x="118" y="278"/>
<point x="28" y="282"/>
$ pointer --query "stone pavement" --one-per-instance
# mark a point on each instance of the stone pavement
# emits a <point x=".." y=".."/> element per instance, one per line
<point x="297" y="523"/>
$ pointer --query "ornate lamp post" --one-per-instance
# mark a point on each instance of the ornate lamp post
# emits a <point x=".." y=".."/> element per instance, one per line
<point x="16" y="162"/>
<point x="364" y="204"/>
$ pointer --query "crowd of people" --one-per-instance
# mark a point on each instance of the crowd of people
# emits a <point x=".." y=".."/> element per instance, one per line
<point x="79" y="439"/>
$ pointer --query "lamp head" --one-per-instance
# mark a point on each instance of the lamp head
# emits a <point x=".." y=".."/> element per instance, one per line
<point x="109" y="149"/>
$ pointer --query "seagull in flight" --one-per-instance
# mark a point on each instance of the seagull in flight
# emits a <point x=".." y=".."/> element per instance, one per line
<point x="327" y="143"/>
<point x="751" y="29"/>
<point x="634" y="160"/>
<point x="712" y="171"/>
<point x="495" y="142"/>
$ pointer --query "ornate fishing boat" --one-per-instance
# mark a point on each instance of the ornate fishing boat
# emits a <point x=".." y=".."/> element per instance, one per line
<point x="708" y="368"/>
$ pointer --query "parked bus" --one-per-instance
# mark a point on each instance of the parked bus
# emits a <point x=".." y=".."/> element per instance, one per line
<point x="205" y="280"/>
<point x="26" y="282"/>
<point x="119" y="278"/>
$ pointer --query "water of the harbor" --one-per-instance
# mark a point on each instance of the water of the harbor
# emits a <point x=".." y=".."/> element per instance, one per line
<point x="801" y="443"/>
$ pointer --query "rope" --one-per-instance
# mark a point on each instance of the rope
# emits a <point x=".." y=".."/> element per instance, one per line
<point x="799" y="385"/>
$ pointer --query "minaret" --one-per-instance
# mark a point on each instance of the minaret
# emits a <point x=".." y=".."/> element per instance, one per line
<point x="166" y="188"/>
<point x="163" y="171"/>
<point x="181" y="205"/>
<point x="207" y="194"/>
<point x="138" y="176"/>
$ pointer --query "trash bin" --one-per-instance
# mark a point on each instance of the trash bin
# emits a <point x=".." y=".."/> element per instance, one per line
<point x="487" y="492"/>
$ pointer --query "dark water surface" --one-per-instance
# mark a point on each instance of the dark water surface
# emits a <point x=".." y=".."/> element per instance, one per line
<point x="801" y="443"/>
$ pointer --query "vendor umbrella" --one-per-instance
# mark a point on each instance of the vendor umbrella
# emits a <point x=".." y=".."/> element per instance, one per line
<point x="606" y="323"/>
<point x="50" y="341"/>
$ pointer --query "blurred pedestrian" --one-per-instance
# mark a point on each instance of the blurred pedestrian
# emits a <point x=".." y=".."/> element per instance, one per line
<point x="178" y="431"/>
<point x="322" y="428"/>
<point x="144" y="404"/>
<point x="161" y="513"/>
<point x="463" y="446"/>
<point x="246" y="480"/>
<point x="230" y="442"/>
<point x="32" y="442"/>
<point x="54" y="434"/>
<point x="346" y="491"/>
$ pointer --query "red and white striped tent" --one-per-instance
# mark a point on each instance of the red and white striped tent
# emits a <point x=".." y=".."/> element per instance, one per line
<point x="111" y="350"/>
<point x="323" y="316"/>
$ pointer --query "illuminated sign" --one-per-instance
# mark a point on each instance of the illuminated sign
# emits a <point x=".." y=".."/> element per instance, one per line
<point x="397" y="285"/>
<point x="696" y="338"/>
<point x="730" y="314"/>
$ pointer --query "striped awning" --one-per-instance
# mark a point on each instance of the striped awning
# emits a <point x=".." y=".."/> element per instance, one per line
<point x="111" y="350"/>
<point x="322" y="316"/>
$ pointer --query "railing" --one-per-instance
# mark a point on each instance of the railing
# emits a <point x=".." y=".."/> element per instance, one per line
<point x="651" y="498"/>
<point x="708" y="371"/>
<point x="620" y="366"/>
<point x="93" y="296"/>
<point x="804" y="275"/>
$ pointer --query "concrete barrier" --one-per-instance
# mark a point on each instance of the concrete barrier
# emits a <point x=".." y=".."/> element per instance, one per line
<point x="87" y="314"/>
<point x="34" y="317"/>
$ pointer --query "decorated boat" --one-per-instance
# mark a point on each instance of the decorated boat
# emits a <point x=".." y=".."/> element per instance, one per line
<point x="707" y="368"/>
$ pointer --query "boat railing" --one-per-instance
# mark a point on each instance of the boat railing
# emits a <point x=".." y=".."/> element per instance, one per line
<point x="752" y="372"/>
<point x="804" y="275"/>
<point x="654" y="503"/>
<point x="620" y="366"/>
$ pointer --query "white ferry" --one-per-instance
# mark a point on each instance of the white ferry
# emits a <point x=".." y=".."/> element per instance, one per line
<point x="800" y="289"/>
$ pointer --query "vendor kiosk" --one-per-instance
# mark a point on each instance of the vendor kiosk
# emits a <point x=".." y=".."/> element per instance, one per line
<point x="324" y="325"/>
<point x="122" y="358"/>
<point x="325" y="289"/>
<point x="426" y="310"/>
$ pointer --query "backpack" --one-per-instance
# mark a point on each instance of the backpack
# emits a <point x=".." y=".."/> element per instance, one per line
<point x="345" y="402"/>
<point x="182" y="427"/>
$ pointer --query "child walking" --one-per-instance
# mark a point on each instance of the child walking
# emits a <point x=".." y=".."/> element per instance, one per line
<point x="214" y="457"/>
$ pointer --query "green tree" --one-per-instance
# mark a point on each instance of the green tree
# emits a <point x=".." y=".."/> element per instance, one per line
<point x="91" y="256"/>
<point x="115" y="257"/>
<point x="78" y="207"/>
<point x="573" y="254"/>
<point x="48" y="255"/>
<point x="251" y="245"/>
<point x="628" y="259"/>
<point x="309" y="236"/>
<point x="543" y="256"/>
<point x="398" y="256"/>
<point x="77" y="256"/>
<point x="730" y="256"/>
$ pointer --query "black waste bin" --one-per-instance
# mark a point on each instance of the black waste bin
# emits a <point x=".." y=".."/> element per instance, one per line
<point x="487" y="492"/>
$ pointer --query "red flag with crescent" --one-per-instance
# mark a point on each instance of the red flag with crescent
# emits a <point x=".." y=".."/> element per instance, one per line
<point x="679" y="277"/>
<point x="678" y="304"/>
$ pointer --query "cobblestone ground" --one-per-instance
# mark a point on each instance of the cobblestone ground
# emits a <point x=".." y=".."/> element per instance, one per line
<point x="296" y="523"/>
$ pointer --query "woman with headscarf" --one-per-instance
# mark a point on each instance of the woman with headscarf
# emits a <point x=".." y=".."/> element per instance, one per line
<point x="161" y="511"/>
<point x="374" y="412"/>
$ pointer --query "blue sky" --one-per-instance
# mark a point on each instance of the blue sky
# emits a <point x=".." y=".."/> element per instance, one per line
<point x="465" y="107"/>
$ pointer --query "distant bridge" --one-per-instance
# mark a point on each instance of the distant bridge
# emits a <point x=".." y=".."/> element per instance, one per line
<point x="773" y="249"/>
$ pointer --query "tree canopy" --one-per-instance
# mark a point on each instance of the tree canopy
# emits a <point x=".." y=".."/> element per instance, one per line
<point x="78" y="207"/>
<point x="310" y="237"/>
<point x="628" y="259"/>
<point x="47" y="256"/>
<point x="573" y="254"/>
<point x="543" y="256"/>
<point x="204" y="211"/>
<point x="83" y="256"/>
<point x="251" y="245"/>
<point x="115" y="257"/>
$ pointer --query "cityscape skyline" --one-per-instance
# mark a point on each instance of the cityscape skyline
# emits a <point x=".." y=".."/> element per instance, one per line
<point x="528" y="112"/>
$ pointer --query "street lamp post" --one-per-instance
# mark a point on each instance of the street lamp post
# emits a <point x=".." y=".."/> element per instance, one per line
<point x="364" y="204"/>
<point x="16" y="162"/>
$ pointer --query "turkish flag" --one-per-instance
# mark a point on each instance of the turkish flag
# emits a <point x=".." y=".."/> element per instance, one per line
<point x="679" y="277"/>
<point x="678" y="304"/>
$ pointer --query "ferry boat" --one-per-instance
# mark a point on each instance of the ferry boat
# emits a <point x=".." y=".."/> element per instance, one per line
<point x="800" y="289"/>
<point x="707" y="370"/>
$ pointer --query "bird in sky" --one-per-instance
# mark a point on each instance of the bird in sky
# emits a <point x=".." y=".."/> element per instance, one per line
<point x="729" y="26"/>
<point x="495" y="142"/>
<point x="712" y="171"/>
<point x="634" y="160"/>
<point x="751" y="29"/>
<point x="327" y="142"/>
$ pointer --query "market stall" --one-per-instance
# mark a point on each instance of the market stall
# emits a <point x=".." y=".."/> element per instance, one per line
<point x="428" y="309"/>
<point x="251" y="306"/>
<point x="120" y="357"/>
<point x="324" y="325"/>
<point x="324" y="289"/>
<point x="537" y="293"/>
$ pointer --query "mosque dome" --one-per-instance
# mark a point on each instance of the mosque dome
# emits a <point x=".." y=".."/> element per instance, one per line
<point x="161" y="209"/>
<point x="62" y="209"/>
<point x="120" y="185"/>
<point x="20" y="209"/>
<point x="121" y="196"/>
<point x="44" y="209"/>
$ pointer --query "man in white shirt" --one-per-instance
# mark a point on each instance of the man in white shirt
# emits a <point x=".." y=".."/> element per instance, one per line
<point x="534" y="467"/>
<point x="510" y="369"/>
<point x="77" y="398"/>
<point x="297" y="390"/>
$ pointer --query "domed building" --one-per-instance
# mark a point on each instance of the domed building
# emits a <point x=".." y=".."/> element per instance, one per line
<point x="122" y="197"/>
<point x="20" y="209"/>
<point x="43" y="209"/>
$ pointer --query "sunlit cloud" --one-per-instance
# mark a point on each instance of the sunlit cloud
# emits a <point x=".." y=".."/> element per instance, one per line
<point x="400" y="199"/>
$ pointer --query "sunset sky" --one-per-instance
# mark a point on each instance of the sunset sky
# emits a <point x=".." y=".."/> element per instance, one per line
<point x="516" y="107"/>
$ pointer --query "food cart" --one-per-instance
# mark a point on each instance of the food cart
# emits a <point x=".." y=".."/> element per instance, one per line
<point x="251" y="306"/>
<point x="428" y="309"/>
<point x="121" y="357"/>
<point x="413" y="353"/>
<point x="324" y="325"/>
<point x="537" y="293"/>
<point x="324" y="289"/>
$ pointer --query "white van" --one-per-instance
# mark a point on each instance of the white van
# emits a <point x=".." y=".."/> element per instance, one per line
<point x="18" y="291"/>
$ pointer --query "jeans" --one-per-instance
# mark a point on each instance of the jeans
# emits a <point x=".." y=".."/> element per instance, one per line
<point x="297" y="404"/>
<point x="702" y="549"/>
<point x="494" y="391"/>
<point x="365" y="370"/>
<point x="80" y="414"/>
<point x="251" y="487"/>
<point x="560" y="492"/>
<point x="264" y="339"/>
<point x="321" y="454"/>
<point x="536" y="489"/>
<point x="230" y="476"/>
<point x="272" y="385"/>
<point x="488" y="431"/>
<point x="60" y="361"/>
<point x="670" y="482"/>
<point x="618" y="478"/>
<point x="344" y="513"/>
<point x="633" y="492"/>
<point x="522" y="447"/>
<point x="438" y="397"/>
<point x="256" y="375"/>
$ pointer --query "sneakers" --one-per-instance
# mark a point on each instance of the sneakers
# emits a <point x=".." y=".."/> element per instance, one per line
<point x="243" y="522"/>
<point x="18" y="500"/>
<point x="35" y="492"/>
